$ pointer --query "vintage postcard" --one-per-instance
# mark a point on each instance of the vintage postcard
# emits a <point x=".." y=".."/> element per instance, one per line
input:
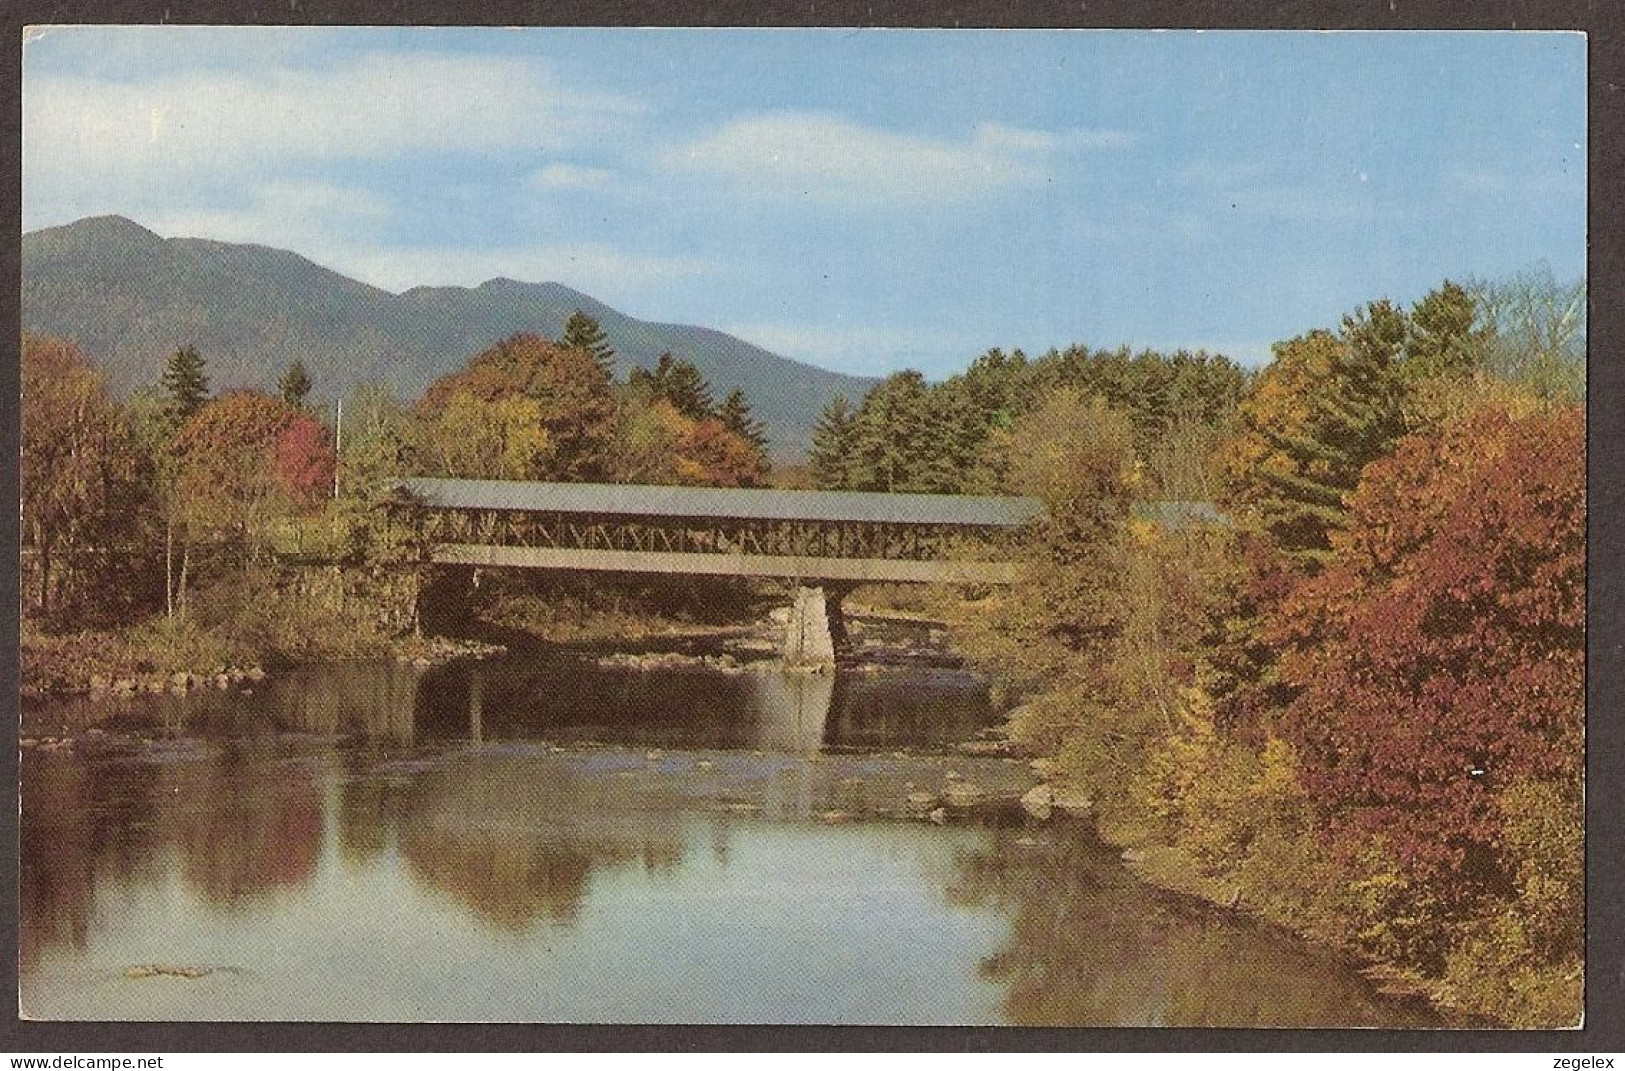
<point x="1058" y="528"/>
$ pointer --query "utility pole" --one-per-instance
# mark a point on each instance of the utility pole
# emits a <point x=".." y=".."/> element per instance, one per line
<point x="338" y="445"/>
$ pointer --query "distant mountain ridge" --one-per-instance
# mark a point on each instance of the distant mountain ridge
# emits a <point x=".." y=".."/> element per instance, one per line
<point x="129" y="298"/>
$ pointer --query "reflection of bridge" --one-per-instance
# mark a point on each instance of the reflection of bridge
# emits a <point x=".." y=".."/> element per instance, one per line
<point x="841" y="536"/>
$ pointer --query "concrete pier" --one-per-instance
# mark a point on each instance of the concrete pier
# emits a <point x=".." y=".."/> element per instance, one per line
<point x="807" y="640"/>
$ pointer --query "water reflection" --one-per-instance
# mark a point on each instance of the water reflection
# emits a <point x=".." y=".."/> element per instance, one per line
<point x="1091" y="946"/>
<point x="515" y="883"/>
<point x="243" y="823"/>
<point x="518" y="844"/>
<point x="791" y="710"/>
<point x="394" y="842"/>
<point x="85" y="825"/>
<point x="563" y="696"/>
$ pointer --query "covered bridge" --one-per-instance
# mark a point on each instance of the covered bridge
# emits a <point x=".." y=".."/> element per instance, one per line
<point x="850" y="536"/>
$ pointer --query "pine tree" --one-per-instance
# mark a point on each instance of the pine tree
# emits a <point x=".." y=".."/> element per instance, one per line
<point x="186" y="384"/>
<point x="736" y="416"/>
<point x="1445" y="336"/>
<point x="832" y="442"/>
<point x="678" y="383"/>
<point x="1328" y="406"/>
<point x="582" y="332"/>
<point x="893" y="441"/>
<point x="294" y="386"/>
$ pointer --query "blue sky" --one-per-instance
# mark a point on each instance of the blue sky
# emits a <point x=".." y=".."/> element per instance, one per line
<point x="865" y="199"/>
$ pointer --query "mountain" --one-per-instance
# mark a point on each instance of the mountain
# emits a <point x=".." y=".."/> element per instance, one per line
<point x="130" y="298"/>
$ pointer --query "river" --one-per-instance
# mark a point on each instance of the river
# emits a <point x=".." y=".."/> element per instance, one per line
<point x="544" y="837"/>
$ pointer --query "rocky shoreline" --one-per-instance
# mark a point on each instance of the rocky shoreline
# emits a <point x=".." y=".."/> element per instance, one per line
<point x="110" y="682"/>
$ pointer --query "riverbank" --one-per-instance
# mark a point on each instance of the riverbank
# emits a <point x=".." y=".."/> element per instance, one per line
<point x="1177" y="869"/>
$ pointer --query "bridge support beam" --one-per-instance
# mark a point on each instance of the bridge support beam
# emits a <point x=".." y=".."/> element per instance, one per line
<point x="807" y="640"/>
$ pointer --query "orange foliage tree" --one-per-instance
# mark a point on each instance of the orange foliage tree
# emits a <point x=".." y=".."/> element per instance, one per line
<point x="713" y="456"/>
<point x="571" y="390"/>
<point x="241" y="458"/>
<point x="80" y="473"/>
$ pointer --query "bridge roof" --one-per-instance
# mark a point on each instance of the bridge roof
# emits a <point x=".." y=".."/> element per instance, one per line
<point x="646" y="500"/>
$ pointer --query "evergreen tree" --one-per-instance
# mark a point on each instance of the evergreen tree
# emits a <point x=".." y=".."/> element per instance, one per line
<point x="1445" y="337"/>
<point x="1328" y="406"/>
<point x="833" y="440"/>
<point x="893" y="438"/>
<point x="582" y="332"/>
<point x="186" y="384"/>
<point x="294" y="386"/>
<point x="678" y="382"/>
<point x="955" y="431"/>
<point x="687" y="391"/>
<point x="736" y="416"/>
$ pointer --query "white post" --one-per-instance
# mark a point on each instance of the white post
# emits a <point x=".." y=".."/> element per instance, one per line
<point x="338" y="445"/>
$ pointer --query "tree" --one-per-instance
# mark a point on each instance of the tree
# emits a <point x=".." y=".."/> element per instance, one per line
<point x="678" y="382"/>
<point x="575" y="404"/>
<point x="1438" y="660"/>
<point x="716" y="457"/>
<point x="237" y="463"/>
<point x="294" y="386"/>
<point x="81" y="479"/>
<point x="505" y="439"/>
<point x="833" y="440"/>
<point x="1326" y="407"/>
<point x="1076" y="454"/>
<point x="582" y="332"/>
<point x="649" y="436"/>
<point x="380" y="440"/>
<point x="305" y="462"/>
<point x="186" y="384"/>
<point x="735" y="415"/>
<point x="1445" y="338"/>
<point x="893" y="436"/>
<point x="1538" y="337"/>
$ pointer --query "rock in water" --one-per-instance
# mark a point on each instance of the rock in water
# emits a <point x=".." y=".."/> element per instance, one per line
<point x="1038" y="802"/>
<point x="1072" y="802"/>
<point x="962" y="794"/>
<point x="921" y="802"/>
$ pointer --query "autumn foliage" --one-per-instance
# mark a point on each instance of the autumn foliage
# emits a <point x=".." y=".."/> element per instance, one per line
<point x="81" y="474"/>
<point x="530" y="409"/>
<point x="247" y="447"/>
<point x="1357" y="696"/>
<point x="1439" y="658"/>
<point x="573" y="404"/>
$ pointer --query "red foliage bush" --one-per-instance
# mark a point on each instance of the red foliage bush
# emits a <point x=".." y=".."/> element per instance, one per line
<point x="305" y="460"/>
<point x="1440" y="656"/>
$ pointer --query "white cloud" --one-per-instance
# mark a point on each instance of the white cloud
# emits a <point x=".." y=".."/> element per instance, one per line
<point x="603" y="271"/>
<point x="555" y="177"/>
<point x="314" y="219"/>
<point x="1021" y="139"/>
<point x="861" y="349"/>
<point x="828" y="158"/>
<point x="197" y="125"/>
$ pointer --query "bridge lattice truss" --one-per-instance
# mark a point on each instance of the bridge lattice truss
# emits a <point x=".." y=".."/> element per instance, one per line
<point x="860" y="551"/>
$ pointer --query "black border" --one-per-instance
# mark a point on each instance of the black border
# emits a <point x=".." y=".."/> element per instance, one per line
<point x="1604" y="1030"/>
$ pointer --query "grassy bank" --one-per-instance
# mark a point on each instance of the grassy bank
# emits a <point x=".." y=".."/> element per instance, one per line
<point x="238" y="622"/>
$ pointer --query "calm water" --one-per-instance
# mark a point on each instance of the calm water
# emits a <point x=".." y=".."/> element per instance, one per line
<point x="540" y="838"/>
